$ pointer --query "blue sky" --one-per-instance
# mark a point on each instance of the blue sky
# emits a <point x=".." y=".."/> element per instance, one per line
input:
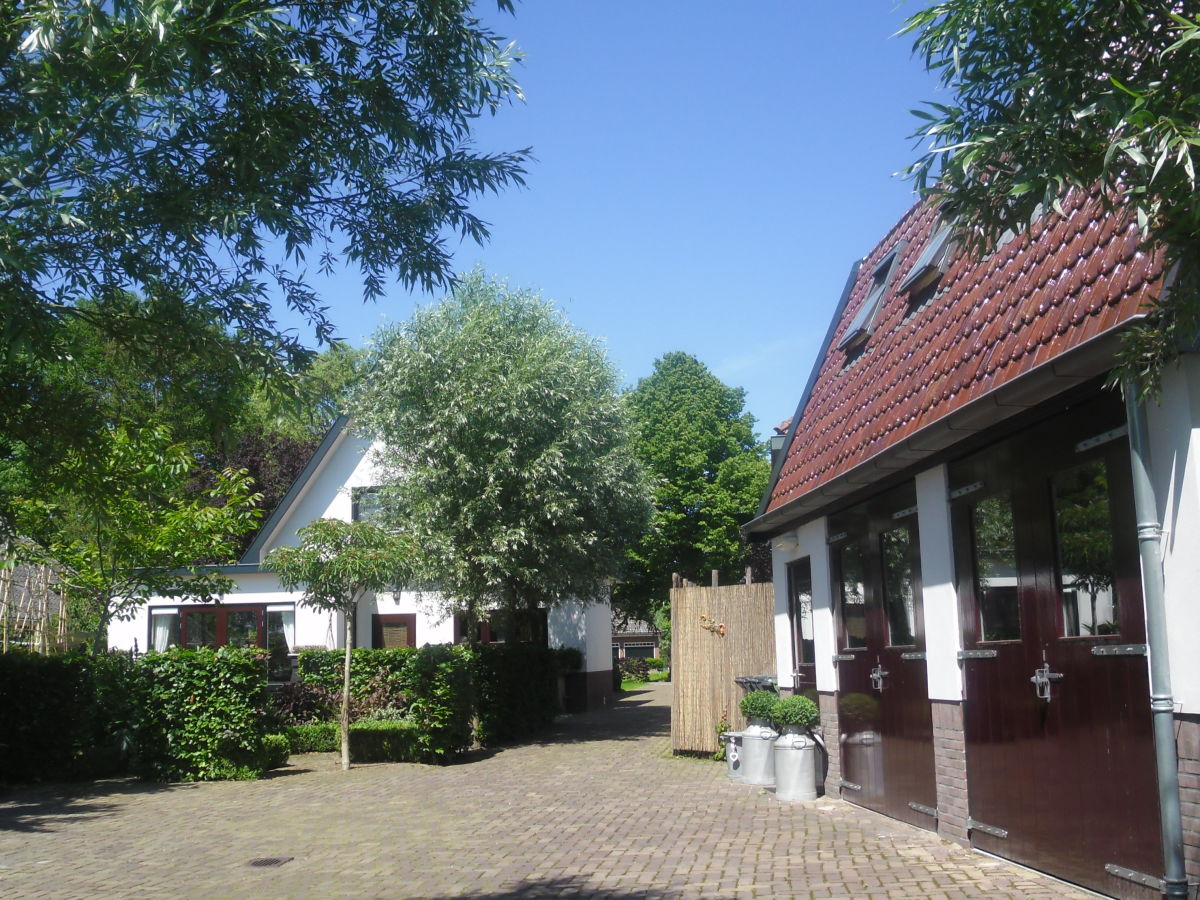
<point x="705" y="175"/>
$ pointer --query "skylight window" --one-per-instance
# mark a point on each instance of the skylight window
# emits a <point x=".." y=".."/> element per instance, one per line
<point x="864" y="320"/>
<point x="931" y="264"/>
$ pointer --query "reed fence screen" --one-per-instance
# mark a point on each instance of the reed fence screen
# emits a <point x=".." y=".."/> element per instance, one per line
<point x="717" y="634"/>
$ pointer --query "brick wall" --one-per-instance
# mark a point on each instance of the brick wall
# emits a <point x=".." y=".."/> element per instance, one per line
<point x="1187" y="742"/>
<point x="829" y="733"/>
<point x="950" y="761"/>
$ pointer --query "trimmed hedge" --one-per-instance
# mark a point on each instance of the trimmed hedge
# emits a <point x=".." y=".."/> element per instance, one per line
<point x="517" y="688"/>
<point x="378" y="741"/>
<point x="201" y="715"/>
<point x="63" y="717"/>
<point x="314" y="737"/>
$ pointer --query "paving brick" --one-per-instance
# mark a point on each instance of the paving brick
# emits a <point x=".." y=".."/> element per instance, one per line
<point x="597" y="808"/>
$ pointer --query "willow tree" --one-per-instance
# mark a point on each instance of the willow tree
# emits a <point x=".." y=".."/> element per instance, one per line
<point x="336" y="564"/>
<point x="1097" y="96"/>
<point x="505" y="450"/>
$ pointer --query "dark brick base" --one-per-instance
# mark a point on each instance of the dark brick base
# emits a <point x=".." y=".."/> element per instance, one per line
<point x="831" y="735"/>
<point x="1187" y="742"/>
<point x="950" y="762"/>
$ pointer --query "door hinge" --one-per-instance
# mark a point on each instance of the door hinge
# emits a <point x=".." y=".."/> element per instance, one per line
<point x="913" y="654"/>
<point x="922" y="808"/>
<point x="1119" y="650"/>
<point x="1134" y="875"/>
<point x="976" y="825"/>
<point x="850" y="785"/>
<point x="978" y="654"/>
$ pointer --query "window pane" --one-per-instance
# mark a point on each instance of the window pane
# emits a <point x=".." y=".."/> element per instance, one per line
<point x="996" y="569"/>
<point x="201" y="628"/>
<point x="281" y="625"/>
<point x="242" y="628"/>
<point x="895" y="546"/>
<point x="853" y="599"/>
<point x="164" y="630"/>
<point x="1085" y="551"/>
<point x="800" y="610"/>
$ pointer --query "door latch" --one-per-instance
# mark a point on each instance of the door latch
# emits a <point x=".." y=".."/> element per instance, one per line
<point x="1042" y="679"/>
<point x="877" y="675"/>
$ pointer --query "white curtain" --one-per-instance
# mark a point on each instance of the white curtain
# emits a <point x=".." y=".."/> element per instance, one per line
<point x="164" y="629"/>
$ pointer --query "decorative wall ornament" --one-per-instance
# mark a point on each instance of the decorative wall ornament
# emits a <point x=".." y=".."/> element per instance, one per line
<point x="710" y="623"/>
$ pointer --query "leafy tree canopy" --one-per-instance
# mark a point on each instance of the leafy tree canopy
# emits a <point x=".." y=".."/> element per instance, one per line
<point x="506" y="449"/>
<point x="198" y="155"/>
<point x="129" y="524"/>
<point x="692" y="433"/>
<point x="1051" y="96"/>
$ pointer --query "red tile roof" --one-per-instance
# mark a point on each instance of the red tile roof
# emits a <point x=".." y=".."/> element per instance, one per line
<point x="1068" y="280"/>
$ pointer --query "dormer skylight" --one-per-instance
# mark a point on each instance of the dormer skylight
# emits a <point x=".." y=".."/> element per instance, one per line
<point x="931" y="264"/>
<point x="864" y="320"/>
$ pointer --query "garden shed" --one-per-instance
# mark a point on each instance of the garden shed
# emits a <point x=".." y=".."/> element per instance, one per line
<point x="956" y="552"/>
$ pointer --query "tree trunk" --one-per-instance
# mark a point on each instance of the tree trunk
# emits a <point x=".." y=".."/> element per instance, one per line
<point x="346" y="691"/>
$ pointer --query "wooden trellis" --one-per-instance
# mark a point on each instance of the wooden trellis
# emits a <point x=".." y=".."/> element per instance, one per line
<point x="717" y="634"/>
<point x="32" y="614"/>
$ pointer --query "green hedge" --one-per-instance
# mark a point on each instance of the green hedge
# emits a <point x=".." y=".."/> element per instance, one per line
<point x="376" y="741"/>
<point x="517" y="691"/>
<point x="63" y="717"/>
<point x="201" y="715"/>
<point x="314" y="737"/>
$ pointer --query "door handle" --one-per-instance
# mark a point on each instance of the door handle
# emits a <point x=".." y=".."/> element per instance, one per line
<point x="1042" y="679"/>
<point x="877" y="675"/>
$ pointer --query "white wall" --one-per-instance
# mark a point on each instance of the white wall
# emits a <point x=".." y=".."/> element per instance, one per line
<point x="939" y="598"/>
<point x="586" y="627"/>
<point x="807" y="540"/>
<point x="1174" y="437"/>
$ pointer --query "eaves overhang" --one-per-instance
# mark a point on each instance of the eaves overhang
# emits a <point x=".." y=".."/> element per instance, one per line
<point x="1070" y="369"/>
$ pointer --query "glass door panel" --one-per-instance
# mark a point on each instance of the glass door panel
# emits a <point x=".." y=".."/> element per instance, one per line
<point x="200" y="629"/>
<point x="896" y="554"/>
<point x="995" y="568"/>
<point x="242" y="628"/>
<point x="1086" y="564"/>
<point x="853" y="598"/>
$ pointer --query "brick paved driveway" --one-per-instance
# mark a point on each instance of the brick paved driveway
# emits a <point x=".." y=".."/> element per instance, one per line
<point x="599" y="809"/>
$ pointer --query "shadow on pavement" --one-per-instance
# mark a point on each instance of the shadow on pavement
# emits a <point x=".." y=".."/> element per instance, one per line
<point x="40" y="808"/>
<point x="553" y="887"/>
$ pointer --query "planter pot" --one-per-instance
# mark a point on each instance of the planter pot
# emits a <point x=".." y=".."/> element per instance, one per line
<point x="795" y="756"/>
<point x="733" y="753"/>
<point x="758" y="763"/>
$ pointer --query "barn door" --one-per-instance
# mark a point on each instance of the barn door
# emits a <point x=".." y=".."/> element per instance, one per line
<point x="1060" y="758"/>
<point x="884" y="713"/>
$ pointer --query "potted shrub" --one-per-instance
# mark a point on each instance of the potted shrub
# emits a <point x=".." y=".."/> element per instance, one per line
<point x="795" y="752"/>
<point x="758" y="765"/>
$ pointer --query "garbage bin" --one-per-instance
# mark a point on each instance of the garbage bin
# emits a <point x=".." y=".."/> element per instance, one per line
<point x="733" y="753"/>
<point x="795" y="757"/>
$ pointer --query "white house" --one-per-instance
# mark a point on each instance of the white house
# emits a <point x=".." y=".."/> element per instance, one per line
<point x="259" y="613"/>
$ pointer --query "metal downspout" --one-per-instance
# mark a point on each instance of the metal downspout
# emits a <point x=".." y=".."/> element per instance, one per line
<point x="1162" y="704"/>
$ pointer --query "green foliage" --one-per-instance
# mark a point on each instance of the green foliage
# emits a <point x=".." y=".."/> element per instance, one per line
<point x="314" y="737"/>
<point x="517" y="691"/>
<point x="199" y="156"/>
<point x="655" y="662"/>
<point x="379" y="741"/>
<point x="758" y="704"/>
<point x="505" y="449"/>
<point x="796" y="710"/>
<point x="200" y="715"/>
<point x="570" y="659"/>
<point x="722" y="728"/>
<point x="276" y="748"/>
<point x="442" y="699"/>
<point x="339" y="561"/>
<point x="635" y="669"/>
<point x="129" y="524"/>
<point x="336" y="563"/>
<point x="1048" y="97"/>
<point x="63" y="717"/>
<point x="692" y="434"/>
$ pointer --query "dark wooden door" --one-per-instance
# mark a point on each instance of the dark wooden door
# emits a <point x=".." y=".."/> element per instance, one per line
<point x="885" y="716"/>
<point x="1060" y="758"/>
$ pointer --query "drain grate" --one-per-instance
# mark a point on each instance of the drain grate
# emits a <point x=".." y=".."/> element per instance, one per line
<point x="266" y="862"/>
